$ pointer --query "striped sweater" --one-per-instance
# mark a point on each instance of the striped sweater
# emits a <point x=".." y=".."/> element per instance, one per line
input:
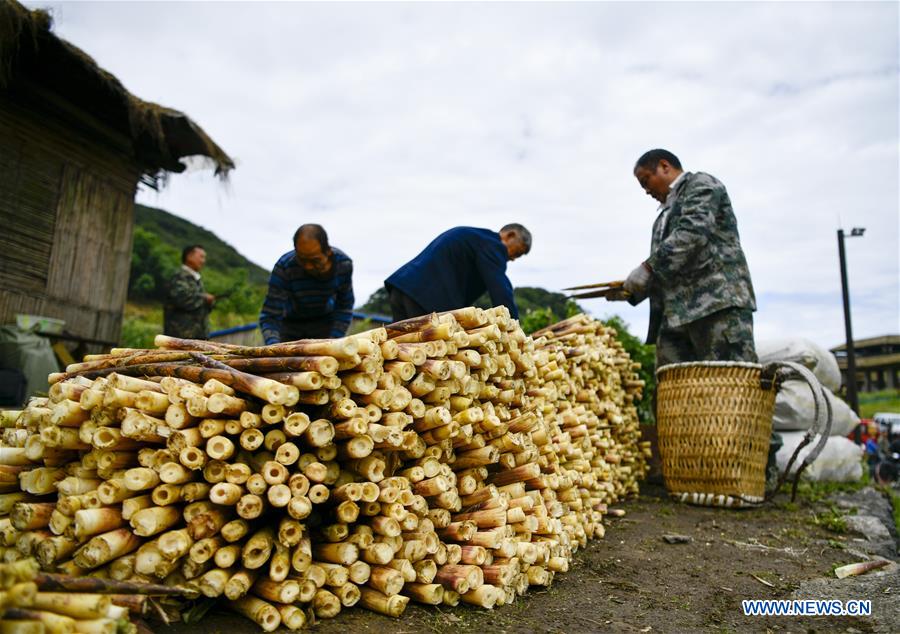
<point x="301" y="306"/>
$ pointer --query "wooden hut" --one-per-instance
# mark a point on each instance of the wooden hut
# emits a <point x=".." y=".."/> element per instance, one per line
<point x="74" y="144"/>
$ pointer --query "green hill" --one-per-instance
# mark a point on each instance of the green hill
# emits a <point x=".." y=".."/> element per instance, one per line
<point x="159" y="237"/>
<point x="176" y="233"/>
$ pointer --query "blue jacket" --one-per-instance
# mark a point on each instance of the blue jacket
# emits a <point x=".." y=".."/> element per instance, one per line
<point x="455" y="270"/>
<point x="296" y="297"/>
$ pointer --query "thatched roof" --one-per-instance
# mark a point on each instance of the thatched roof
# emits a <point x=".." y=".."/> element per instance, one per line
<point x="31" y="54"/>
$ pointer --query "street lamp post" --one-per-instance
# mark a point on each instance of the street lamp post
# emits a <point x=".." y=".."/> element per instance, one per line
<point x="852" y="396"/>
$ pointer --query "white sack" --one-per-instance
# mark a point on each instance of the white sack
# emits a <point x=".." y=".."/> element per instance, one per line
<point x="839" y="461"/>
<point x="795" y="410"/>
<point x="803" y="351"/>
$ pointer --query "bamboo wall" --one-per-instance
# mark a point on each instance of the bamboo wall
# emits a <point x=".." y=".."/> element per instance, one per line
<point x="67" y="187"/>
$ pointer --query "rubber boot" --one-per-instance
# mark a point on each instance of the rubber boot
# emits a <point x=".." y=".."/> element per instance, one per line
<point x="775" y="443"/>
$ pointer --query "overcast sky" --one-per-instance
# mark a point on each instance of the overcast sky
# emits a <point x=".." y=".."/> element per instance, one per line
<point x="389" y="123"/>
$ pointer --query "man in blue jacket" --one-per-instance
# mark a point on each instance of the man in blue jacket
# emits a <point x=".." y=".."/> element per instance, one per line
<point x="310" y="291"/>
<point x="456" y="269"/>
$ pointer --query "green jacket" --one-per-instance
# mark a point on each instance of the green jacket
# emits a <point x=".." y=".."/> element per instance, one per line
<point x="185" y="312"/>
<point x="698" y="265"/>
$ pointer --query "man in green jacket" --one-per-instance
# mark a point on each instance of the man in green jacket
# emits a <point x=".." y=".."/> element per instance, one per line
<point x="187" y="306"/>
<point x="697" y="280"/>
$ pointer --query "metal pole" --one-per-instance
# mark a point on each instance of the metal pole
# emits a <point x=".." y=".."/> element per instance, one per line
<point x="851" y="353"/>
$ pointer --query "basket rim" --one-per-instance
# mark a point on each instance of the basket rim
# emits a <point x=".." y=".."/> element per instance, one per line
<point x="709" y="364"/>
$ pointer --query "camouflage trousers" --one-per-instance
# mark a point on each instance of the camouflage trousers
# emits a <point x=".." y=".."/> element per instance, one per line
<point x="186" y="324"/>
<point x="726" y="335"/>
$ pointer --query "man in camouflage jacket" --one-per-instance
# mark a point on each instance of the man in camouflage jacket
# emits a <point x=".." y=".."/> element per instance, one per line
<point x="697" y="280"/>
<point x="187" y="306"/>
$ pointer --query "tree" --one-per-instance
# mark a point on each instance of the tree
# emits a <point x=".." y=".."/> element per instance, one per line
<point x="152" y="264"/>
<point x="378" y="303"/>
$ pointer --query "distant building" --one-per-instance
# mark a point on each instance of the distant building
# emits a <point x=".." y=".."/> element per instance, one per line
<point x="74" y="144"/>
<point x="877" y="363"/>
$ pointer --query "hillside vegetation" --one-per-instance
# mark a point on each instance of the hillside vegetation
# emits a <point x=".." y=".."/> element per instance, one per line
<point x="870" y="403"/>
<point x="159" y="237"/>
<point x="240" y="286"/>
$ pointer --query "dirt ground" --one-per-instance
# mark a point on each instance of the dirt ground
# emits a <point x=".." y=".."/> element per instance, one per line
<point x="634" y="581"/>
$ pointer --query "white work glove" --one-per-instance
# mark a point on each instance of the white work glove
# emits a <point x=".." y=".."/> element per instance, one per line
<point x="637" y="281"/>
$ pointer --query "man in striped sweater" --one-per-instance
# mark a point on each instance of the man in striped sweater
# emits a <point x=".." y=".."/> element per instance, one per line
<point x="310" y="291"/>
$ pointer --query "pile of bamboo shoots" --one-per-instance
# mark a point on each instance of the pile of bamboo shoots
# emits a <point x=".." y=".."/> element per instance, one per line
<point x="444" y="459"/>
<point x="34" y="602"/>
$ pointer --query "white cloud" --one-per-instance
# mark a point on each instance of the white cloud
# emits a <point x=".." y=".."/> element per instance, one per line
<point x="389" y="123"/>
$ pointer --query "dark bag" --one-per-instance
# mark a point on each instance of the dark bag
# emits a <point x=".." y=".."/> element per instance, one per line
<point x="12" y="387"/>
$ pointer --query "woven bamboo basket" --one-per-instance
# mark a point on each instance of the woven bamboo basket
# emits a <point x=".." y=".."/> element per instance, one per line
<point x="714" y="421"/>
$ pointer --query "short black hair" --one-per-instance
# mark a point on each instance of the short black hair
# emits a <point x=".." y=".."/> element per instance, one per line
<point x="886" y="472"/>
<point x="649" y="160"/>
<point x="316" y="232"/>
<point x="522" y="234"/>
<point x="186" y="251"/>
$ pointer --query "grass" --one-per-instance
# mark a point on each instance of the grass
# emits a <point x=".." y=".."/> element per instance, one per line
<point x="767" y="575"/>
<point x="361" y="325"/>
<point x="142" y="322"/>
<point x="884" y="401"/>
<point x="813" y="492"/>
<point x="894" y="497"/>
<point x="832" y="520"/>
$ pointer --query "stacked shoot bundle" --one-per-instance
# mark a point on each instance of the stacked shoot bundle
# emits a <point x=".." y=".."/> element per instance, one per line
<point x="443" y="459"/>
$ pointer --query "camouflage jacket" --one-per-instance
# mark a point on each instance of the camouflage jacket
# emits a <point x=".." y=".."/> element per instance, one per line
<point x="185" y="312"/>
<point x="698" y="264"/>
